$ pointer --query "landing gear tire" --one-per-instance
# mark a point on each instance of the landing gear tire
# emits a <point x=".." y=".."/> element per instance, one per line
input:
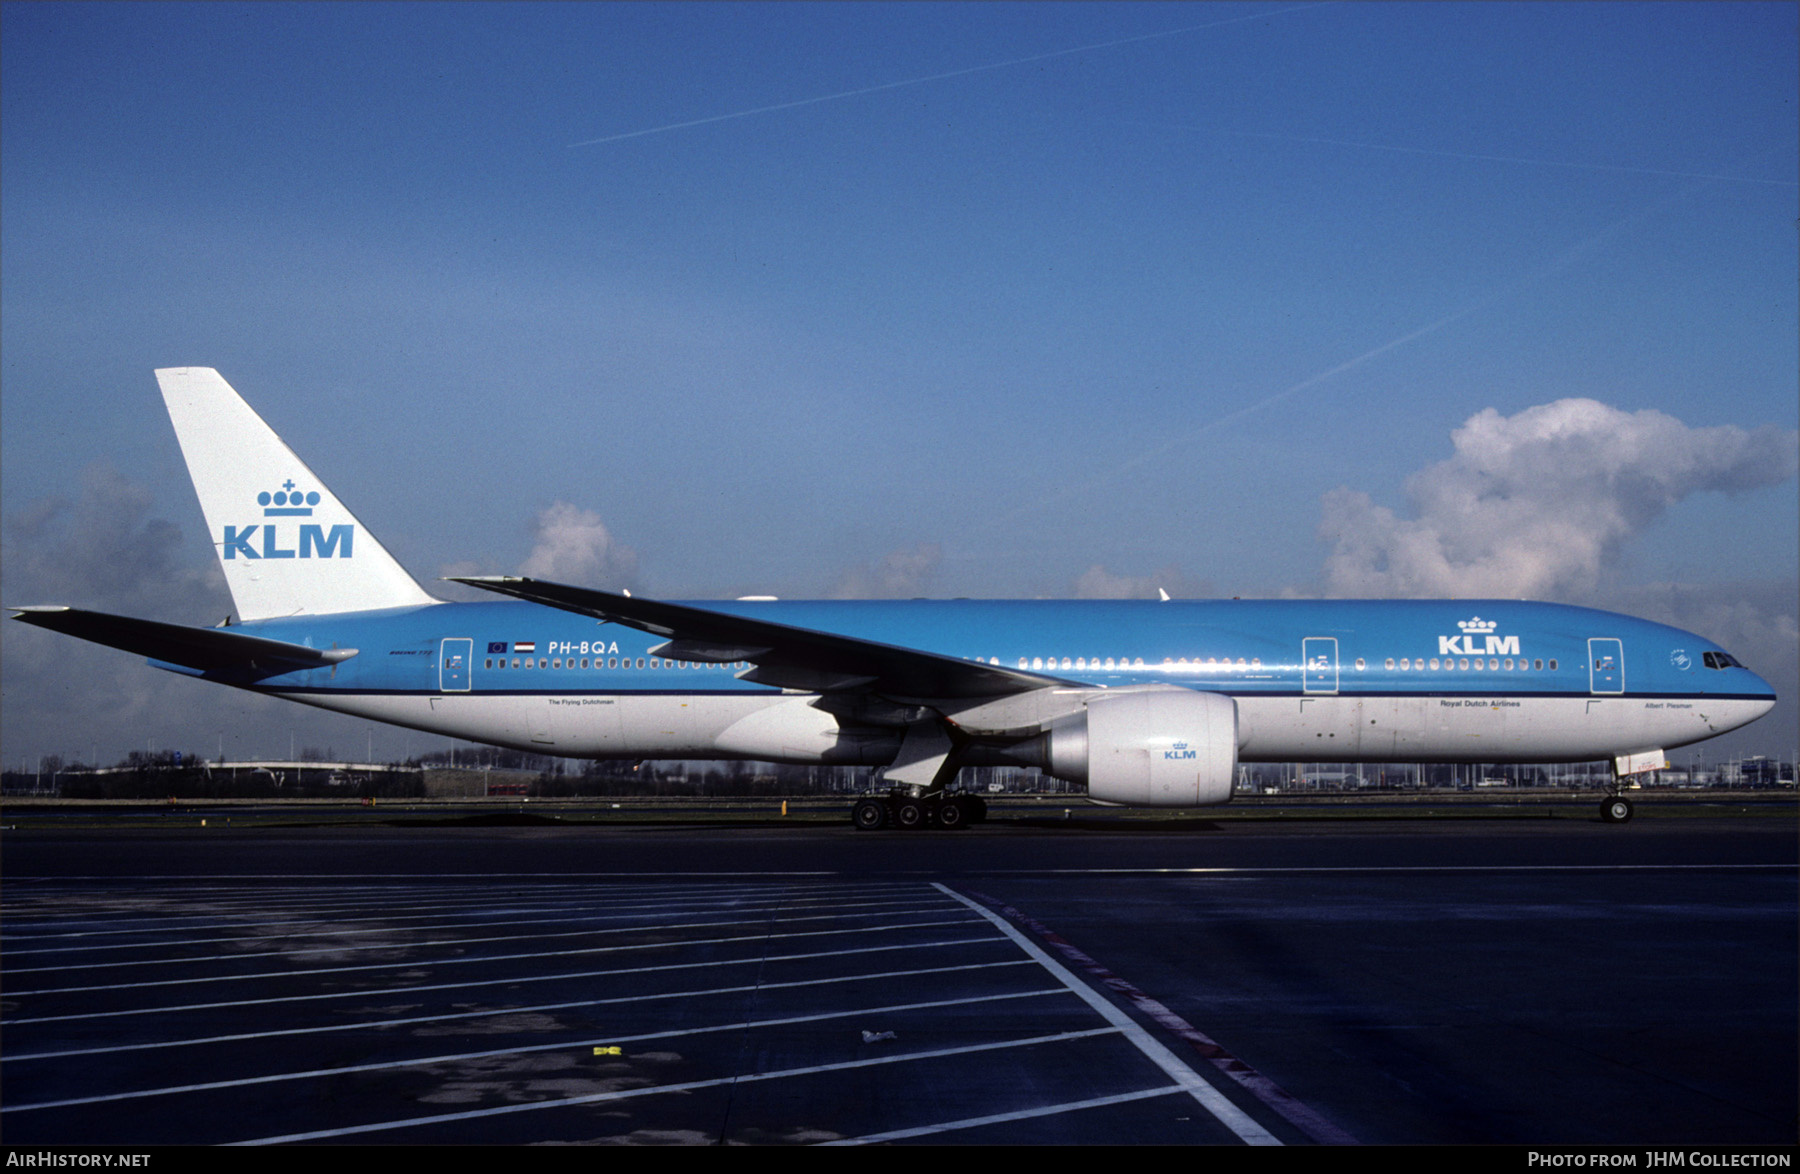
<point x="953" y="814"/>
<point x="869" y="815"/>
<point x="1616" y="809"/>
<point x="911" y="814"/>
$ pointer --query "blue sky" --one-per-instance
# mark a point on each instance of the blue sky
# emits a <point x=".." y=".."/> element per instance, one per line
<point x="992" y="300"/>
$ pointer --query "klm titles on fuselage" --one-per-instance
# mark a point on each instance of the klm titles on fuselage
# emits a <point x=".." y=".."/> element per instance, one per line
<point x="1476" y="628"/>
<point x="312" y="541"/>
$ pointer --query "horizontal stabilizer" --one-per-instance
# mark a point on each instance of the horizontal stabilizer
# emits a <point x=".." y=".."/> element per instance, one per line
<point x="206" y="650"/>
<point x="786" y="656"/>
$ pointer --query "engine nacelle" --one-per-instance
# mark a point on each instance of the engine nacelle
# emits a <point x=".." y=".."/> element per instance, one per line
<point x="1173" y="748"/>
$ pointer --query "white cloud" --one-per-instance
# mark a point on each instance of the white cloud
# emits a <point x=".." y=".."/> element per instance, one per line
<point x="900" y="574"/>
<point x="1099" y="583"/>
<point x="574" y="546"/>
<point x="1538" y="504"/>
<point x="1759" y="623"/>
<point x="105" y="551"/>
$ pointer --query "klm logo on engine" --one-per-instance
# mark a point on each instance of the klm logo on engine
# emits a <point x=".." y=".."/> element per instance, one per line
<point x="1180" y="751"/>
<point x="275" y="541"/>
<point x="1477" y="629"/>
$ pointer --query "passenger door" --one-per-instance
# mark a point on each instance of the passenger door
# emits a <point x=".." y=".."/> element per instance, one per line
<point x="1606" y="665"/>
<point x="454" y="661"/>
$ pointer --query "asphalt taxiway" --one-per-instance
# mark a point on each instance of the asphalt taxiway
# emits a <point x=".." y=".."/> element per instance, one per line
<point x="1248" y="982"/>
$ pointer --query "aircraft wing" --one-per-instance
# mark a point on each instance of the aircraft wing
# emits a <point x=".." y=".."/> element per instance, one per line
<point x="783" y="655"/>
<point x="207" y="650"/>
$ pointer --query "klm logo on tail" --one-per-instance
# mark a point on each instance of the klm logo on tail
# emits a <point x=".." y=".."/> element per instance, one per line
<point x="313" y="540"/>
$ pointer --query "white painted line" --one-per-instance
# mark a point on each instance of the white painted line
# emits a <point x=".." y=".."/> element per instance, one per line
<point x="577" y="1045"/>
<point x="475" y="878"/>
<point x="386" y="924"/>
<point x="508" y="980"/>
<point x="435" y="943"/>
<point x="1209" y="1098"/>
<point x="485" y="959"/>
<point x="388" y="918"/>
<point x="689" y="1086"/>
<point x="1255" y="1083"/>
<point x="1381" y="869"/>
<point x="493" y="1012"/>
<point x="1001" y="1118"/>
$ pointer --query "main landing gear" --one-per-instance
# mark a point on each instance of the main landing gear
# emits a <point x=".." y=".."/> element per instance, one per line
<point x="909" y="812"/>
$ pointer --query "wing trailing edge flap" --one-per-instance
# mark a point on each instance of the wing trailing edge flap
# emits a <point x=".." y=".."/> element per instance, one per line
<point x="927" y="758"/>
<point x="215" y="651"/>
<point x="782" y="655"/>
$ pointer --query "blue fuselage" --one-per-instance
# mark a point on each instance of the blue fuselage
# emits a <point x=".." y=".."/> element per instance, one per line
<point x="1313" y="679"/>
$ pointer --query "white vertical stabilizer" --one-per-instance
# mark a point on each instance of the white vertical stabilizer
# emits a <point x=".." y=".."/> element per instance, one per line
<point x="287" y="545"/>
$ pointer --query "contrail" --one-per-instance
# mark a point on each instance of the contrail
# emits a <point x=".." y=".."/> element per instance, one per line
<point x="1555" y="264"/>
<point x="1286" y="138"/>
<point x="938" y="77"/>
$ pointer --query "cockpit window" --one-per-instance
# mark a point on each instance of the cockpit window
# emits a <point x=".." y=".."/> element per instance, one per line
<point x="1720" y="660"/>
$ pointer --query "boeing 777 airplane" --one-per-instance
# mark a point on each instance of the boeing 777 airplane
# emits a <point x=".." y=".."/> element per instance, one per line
<point x="1151" y="703"/>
